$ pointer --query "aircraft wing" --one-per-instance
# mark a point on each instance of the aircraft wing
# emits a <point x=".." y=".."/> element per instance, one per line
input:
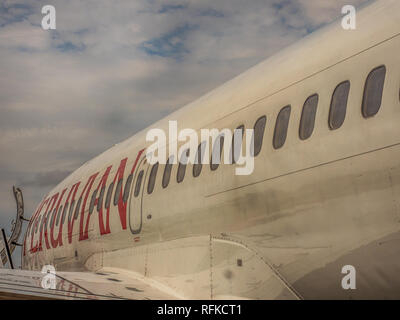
<point x="107" y="283"/>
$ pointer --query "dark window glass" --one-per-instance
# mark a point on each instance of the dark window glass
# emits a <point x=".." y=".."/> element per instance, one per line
<point x="109" y="194"/>
<point x="337" y="112"/>
<point x="100" y="201"/>
<point x="217" y="148"/>
<point x="117" y="191"/>
<point x="257" y="138"/>
<point x="37" y="224"/>
<point x="199" y="159"/>
<point x="41" y="225"/>
<point x="152" y="178"/>
<point x="281" y="127"/>
<point x="59" y="215"/>
<point x="53" y="216"/>
<point x="64" y="215"/>
<point x="373" y="91"/>
<point x="138" y="183"/>
<point x="308" y="117"/>
<point x="71" y="210"/>
<point x="127" y="187"/>
<point x="236" y="144"/>
<point x="180" y="175"/>
<point x="167" y="172"/>
<point x="46" y="222"/>
<point x="92" y="201"/>
<point x="77" y="208"/>
<point x="48" y="217"/>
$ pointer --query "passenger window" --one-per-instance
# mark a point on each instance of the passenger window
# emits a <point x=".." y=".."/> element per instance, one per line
<point x="59" y="215"/>
<point x="199" y="159"/>
<point x="308" y="117"/>
<point x="117" y="192"/>
<point x="38" y="224"/>
<point x="64" y="215"/>
<point x="53" y="217"/>
<point x="127" y="189"/>
<point x="337" y="112"/>
<point x="41" y="225"/>
<point x="71" y="210"/>
<point x="373" y="91"/>
<point x="77" y="208"/>
<point x="167" y="172"/>
<point x="109" y="195"/>
<point x="47" y="221"/>
<point x="217" y="148"/>
<point x="100" y="201"/>
<point x="258" y="136"/>
<point x="281" y="127"/>
<point x="180" y="175"/>
<point x="236" y="147"/>
<point x="152" y="178"/>
<point x="138" y="183"/>
<point x="92" y="201"/>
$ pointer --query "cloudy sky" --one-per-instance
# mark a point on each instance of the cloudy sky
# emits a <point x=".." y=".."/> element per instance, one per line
<point x="113" y="67"/>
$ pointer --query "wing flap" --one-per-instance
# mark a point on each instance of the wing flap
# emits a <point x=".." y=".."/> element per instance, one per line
<point x="108" y="283"/>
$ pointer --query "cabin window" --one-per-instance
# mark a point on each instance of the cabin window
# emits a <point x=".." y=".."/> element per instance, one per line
<point x="92" y="201"/>
<point x="199" y="159"/>
<point x="236" y="144"/>
<point x="337" y="112"/>
<point x="71" y="210"/>
<point x="127" y="187"/>
<point x="180" y="175"/>
<point x="109" y="195"/>
<point x="138" y="183"/>
<point x="48" y="217"/>
<point x="59" y="215"/>
<point x="152" y="178"/>
<point x="281" y="127"/>
<point x="53" y="217"/>
<point x="307" y="120"/>
<point x="373" y="91"/>
<point x="41" y="225"/>
<point x="100" y="201"/>
<point x="167" y="172"/>
<point x="77" y="208"/>
<point x="64" y="215"/>
<point x="217" y="152"/>
<point x="117" y="191"/>
<point x="258" y="136"/>
<point x="38" y="224"/>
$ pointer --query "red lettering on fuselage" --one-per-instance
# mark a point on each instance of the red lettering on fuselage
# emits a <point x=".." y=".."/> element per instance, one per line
<point x="52" y="206"/>
<point x="58" y="241"/>
<point x="87" y="188"/>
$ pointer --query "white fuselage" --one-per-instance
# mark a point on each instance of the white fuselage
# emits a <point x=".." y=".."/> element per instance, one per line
<point x="309" y="208"/>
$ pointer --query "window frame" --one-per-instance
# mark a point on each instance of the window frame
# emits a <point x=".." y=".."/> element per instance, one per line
<point x="333" y="126"/>
<point x="277" y="144"/>
<point x="305" y="133"/>
<point x="152" y="181"/>
<point x="168" y="166"/>
<point x="181" y="172"/>
<point x="221" y="137"/>
<point x="138" y="183"/>
<point x="364" y="106"/>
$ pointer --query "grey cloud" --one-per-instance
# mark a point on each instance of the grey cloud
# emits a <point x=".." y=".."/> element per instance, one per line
<point x="44" y="179"/>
